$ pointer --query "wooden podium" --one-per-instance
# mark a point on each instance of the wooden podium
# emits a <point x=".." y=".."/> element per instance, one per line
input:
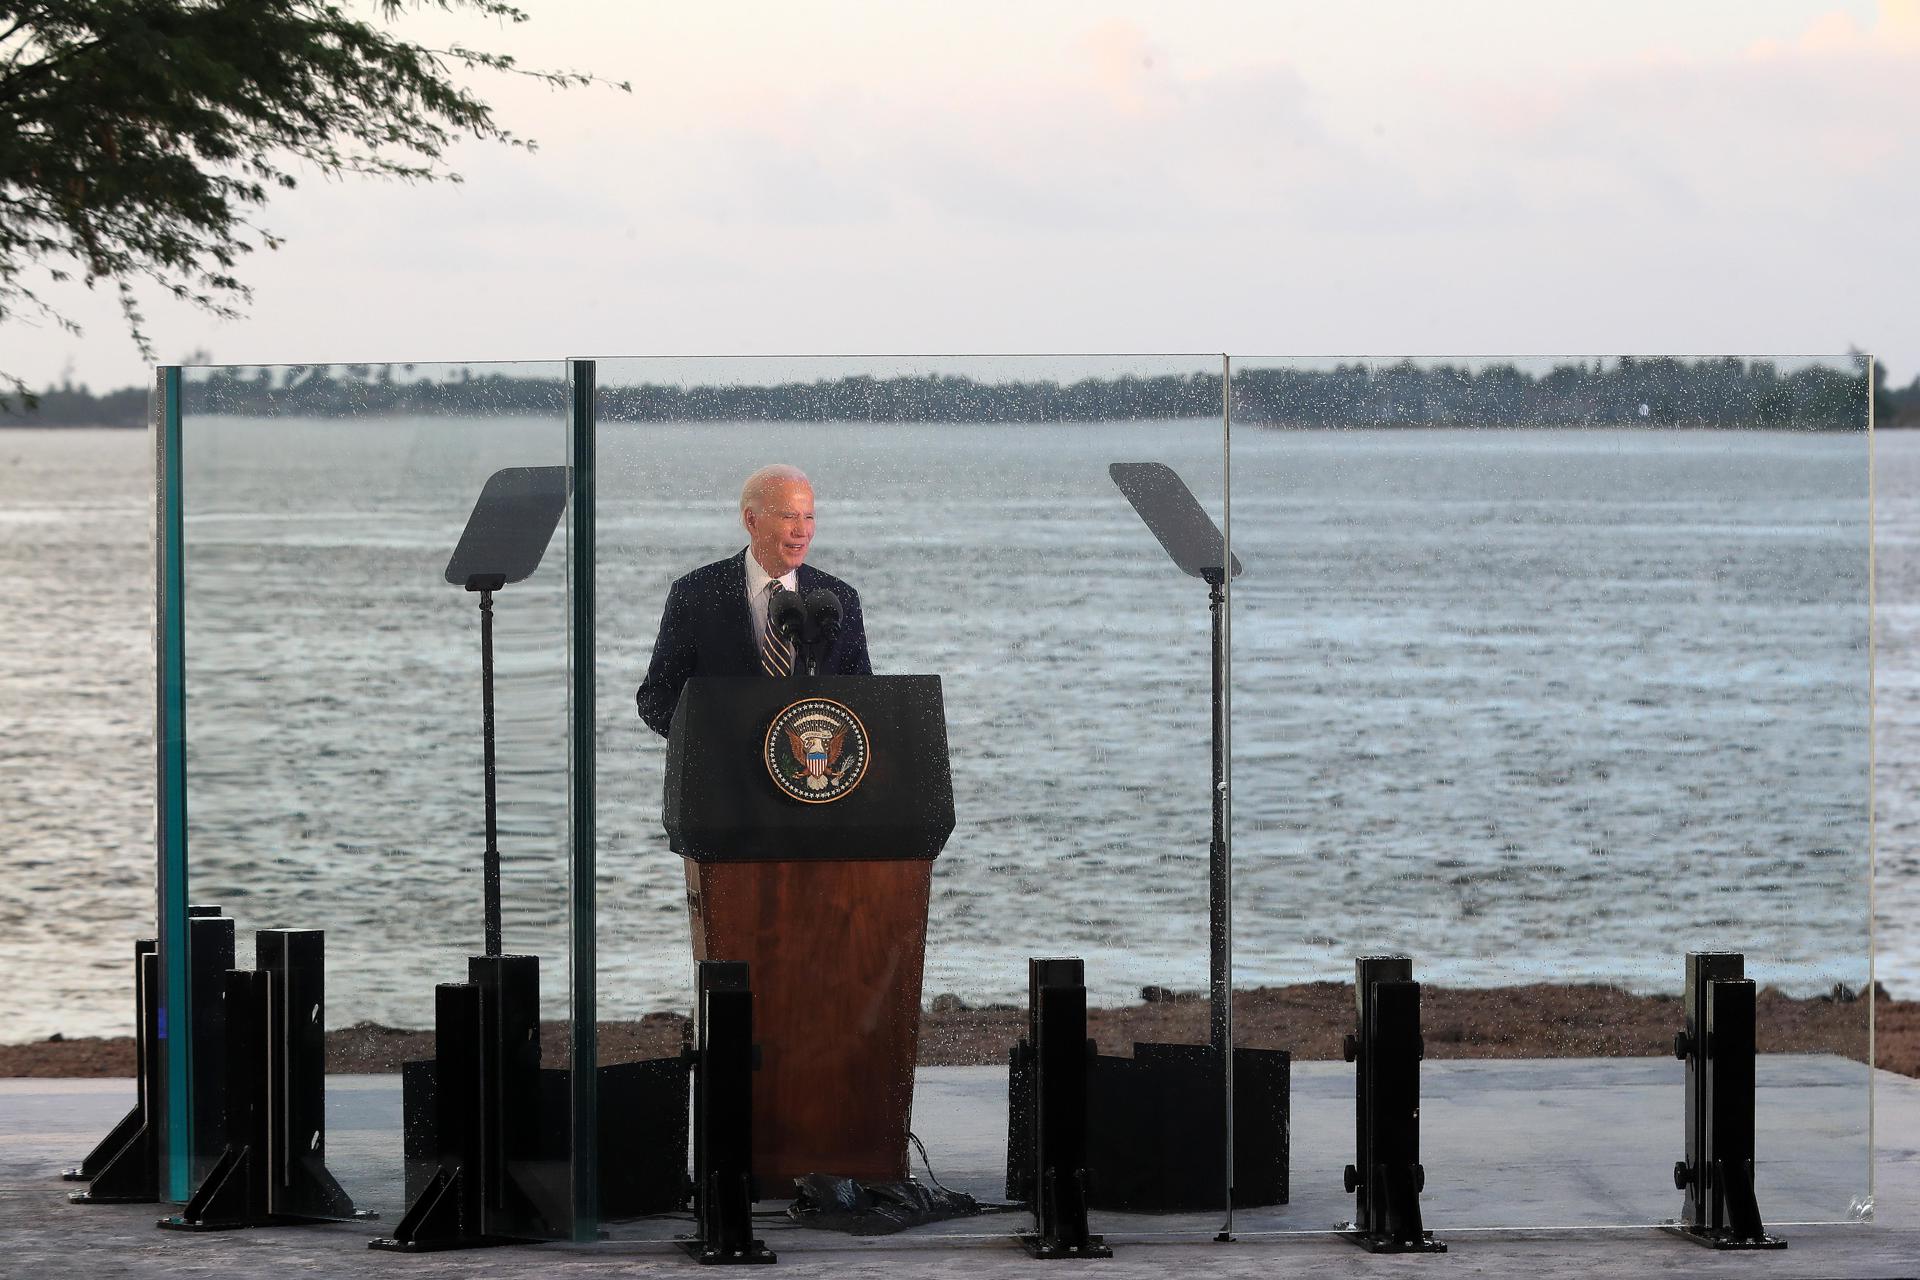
<point x="824" y="899"/>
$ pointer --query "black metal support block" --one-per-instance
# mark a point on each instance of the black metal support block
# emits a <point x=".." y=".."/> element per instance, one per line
<point x="447" y="1213"/>
<point x="124" y="1167"/>
<point x="527" y="1195"/>
<point x="1386" y="1177"/>
<point x="237" y="1192"/>
<point x="644" y="1128"/>
<point x="1719" y="1208"/>
<point x="1155" y="1143"/>
<point x="294" y="961"/>
<point x="210" y="954"/>
<point x="723" y="1062"/>
<point x="1059" y="1058"/>
<point x="491" y="1156"/>
<point x="1022" y="1154"/>
<point x="273" y="1168"/>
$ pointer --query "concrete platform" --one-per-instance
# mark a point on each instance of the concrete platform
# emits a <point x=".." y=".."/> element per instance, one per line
<point x="1536" y="1168"/>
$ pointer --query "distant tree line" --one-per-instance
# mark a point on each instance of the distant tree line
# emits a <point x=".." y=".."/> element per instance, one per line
<point x="71" y="406"/>
<point x="1728" y="392"/>
<point x="1719" y="392"/>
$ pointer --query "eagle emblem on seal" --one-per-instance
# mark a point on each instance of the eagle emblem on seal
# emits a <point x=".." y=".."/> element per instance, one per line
<point x="816" y="750"/>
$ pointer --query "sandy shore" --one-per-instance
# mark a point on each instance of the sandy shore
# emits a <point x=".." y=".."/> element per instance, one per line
<point x="1543" y="1021"/>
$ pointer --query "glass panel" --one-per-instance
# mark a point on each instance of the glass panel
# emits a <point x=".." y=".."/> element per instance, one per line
<point x="335" y="758"/>
<point x="1896" y="462"/>
<point x="968" y="503"/>
<point x="1545" y="673"/>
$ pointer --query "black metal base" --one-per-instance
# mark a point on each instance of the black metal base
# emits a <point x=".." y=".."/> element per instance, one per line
<point x="270" y="1220"/>
<point x="1711" y="1239"/>
<point x="752" y="1255"/>
<point x="130" y="1178"/>
<point x="1038" y="1247"/>
<point x="274" y="1096"/>
<point x="725" y="1058"/>
<point x="124" y="1166"/>
<point x="96" y="1197"/>
<point x="101" y="1156"/>
<point x="389" y="1244"/>
<point x="1048" y="1113"/>
<point x="1374" y="1243"/>
<point x="1718" y="1044"/>
<point x="123" y="1169"/>
<point x="442" y="1218"/>
<point x="1386" y="1177"/>
<point x="234" y="1197"/>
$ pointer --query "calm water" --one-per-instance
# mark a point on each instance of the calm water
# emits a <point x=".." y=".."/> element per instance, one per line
<point x="1552" y="705"/>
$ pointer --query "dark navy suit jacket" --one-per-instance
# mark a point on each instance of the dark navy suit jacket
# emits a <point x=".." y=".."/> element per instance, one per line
<point x="707" y="630"/>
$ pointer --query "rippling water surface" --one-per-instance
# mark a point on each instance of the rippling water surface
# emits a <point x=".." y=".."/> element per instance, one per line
<point x="1529" y="705"/>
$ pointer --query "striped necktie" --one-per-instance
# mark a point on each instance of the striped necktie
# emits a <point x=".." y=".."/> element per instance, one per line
<point x="776" y="655"/>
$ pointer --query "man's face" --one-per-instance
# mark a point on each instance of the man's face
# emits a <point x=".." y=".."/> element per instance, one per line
<point x="781" y="529"/>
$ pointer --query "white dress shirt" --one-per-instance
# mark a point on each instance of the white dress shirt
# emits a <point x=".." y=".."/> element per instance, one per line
<point x="757" y="580"/>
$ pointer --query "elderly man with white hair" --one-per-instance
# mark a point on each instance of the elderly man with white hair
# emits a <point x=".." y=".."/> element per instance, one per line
<point x="715" y="623"/>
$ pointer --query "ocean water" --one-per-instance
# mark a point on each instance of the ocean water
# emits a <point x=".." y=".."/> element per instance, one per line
<point x="1530" y="706"/>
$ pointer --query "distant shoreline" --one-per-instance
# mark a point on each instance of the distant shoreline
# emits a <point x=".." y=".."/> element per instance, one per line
<point x="1905" y="423"/>
<point x="1722" y="392"/>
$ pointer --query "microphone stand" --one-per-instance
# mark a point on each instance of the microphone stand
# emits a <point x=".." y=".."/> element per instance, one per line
<point x="819" y="627"/>
<point x="817" y="647"/>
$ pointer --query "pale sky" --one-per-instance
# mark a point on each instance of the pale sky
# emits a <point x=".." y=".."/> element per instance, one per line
<point x="1386" y="177"/>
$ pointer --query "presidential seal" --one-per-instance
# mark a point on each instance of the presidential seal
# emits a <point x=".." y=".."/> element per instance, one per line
<point x="816" y="750"/>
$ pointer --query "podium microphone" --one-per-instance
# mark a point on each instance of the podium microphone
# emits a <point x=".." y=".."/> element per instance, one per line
<point x="823" y="624"/>
<point x="787" y="615"/>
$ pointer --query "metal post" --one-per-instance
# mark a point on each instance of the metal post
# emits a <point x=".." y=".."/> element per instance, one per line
<point x="489" y="1187"/>
<point x="1720" y="1209"/>
<point x="211" y="954"/>
<point x="723" y="1055"/>
<point x="237" y="1192"/>
<point x="295" y="963"/>
<point x="273" y="1170"/>
<point x="1386" y="1177"/>
<point x="1061" y="1064"/>
<point x="1219" y="980"/>
<point x="449" y="1213"/>
<point x="490" y="872"/>
<point x="1221" y="889"/>
<point x="125" y="1168"/>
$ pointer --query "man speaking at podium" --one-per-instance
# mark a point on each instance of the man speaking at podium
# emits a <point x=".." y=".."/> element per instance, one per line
<point x="715" y="623"/>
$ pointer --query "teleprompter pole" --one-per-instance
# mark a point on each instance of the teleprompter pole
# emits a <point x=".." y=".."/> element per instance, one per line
<point x="1219" y="982"/>
<point x="506" y="534"/>
<point x="1198" y="549"/>
<point x="486" y="585"/>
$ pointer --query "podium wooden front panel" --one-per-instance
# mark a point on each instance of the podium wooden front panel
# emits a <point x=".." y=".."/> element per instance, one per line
<point x="834" y="951"/>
